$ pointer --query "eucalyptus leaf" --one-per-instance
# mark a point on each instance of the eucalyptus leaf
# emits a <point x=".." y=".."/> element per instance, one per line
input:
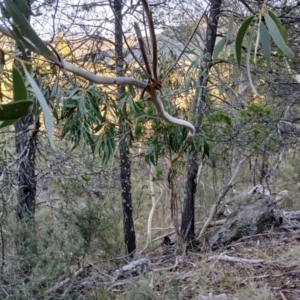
<point x="19" y="88"/>
<point x="265" y="41"/>
<point x="277" y="37"/>
<point x="280" y="27"/>
<point x="230" y="31"/>
<point x="8" y="123"/>
<point x="187" y="85"/>
<point x="218" y="48"/>
<point x="240" y="37"/>
<point x="14" y="110"/>
<point x="257" y="42"/>
<point x="249" y="46"/>
<point x="24" y="26"/>
<point x="47" y="116"/>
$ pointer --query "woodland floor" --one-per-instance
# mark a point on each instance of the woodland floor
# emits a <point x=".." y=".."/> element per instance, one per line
<point x="266" y="266"/>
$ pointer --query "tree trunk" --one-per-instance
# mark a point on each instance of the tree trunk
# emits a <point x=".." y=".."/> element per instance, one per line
<point x="25" y="140"/>
<point x="26" y="149"/>
<point x="188" y="214"/>
<point x="125" y="164"/>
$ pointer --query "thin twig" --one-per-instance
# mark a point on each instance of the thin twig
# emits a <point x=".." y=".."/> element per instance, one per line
<point x="191" y="37"/>
<point x="142" y="48"/>
<point x="221" y="197"/>
<point x="153" y="39"/>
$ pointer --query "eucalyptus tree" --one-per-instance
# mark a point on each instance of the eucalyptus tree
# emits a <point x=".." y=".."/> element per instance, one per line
<point x="125" y="165"/>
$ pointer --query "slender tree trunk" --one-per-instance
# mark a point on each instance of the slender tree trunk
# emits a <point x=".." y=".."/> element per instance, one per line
<point x="25" y="139"/>
<point x="26" y="148"/>
<point x="188" y="214"/>
<point x="125" y="163"/>
<point x="26" y="130"/>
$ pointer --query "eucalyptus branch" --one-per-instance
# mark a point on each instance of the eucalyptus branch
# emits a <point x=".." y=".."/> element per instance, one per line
<point x="153" y="38"/>
<point x="142" y="48"/>
<point x="83" y="73"/>
<point x="125" y="39"/>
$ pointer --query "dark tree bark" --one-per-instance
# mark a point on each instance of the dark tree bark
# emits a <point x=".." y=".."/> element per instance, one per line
<point x="188" y="214"/>
<point x="25" y="139"/>
<point x="26" y="130"/>
<point x="125" y="163"/>
<point x="26" y="148"/>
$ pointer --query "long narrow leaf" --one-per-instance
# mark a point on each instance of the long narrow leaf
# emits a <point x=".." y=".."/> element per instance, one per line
<point x="27" y="30"/>
<point x="277" y="37"/>
<point x="257" y="41"/>
<point x="230" y="31"/>
<point x="280" y="27"/>
<point x="47" y="116"/>
<point x="240" y="37"/>
<point x="14" y="110"/>
<point x="265" y="41"/>
<point x="249" y="46"/>
<point x="218" y="48"/>
<point x="8" y="123"/>
<point x="19" y="88"/>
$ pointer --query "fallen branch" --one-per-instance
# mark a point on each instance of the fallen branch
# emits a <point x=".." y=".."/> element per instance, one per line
<point x="235" y="259"/>
<point x="168" y="268"/>
<point x="122" y="282"/>
<point x="62" y="283"/>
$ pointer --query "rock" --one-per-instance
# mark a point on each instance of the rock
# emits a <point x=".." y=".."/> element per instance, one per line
<point x="249" y="219"/>
<point x="236" y="204"/>
<point x="133" y="269"/>
<point x="212" y="297"/>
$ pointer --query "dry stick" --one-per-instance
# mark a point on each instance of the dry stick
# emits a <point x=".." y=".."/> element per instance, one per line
<point x="282" y="295"/>
<point x="62" y="283"/>
<point x="235" y="259"/>
<point x="154" y="202"/>
<point x="221" y="196"/>
<point x="168" y="268"/>
<point x="199" y="171"/>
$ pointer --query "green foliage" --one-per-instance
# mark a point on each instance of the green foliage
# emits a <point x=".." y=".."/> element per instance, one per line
<point x="268" y="26"/>
<point x="166" y="139"/>
<point x="265" y="41"/>
<point x="220" y="116"/>
<point x="87" y="121"/>
<point x="42" y="101"/>
<point x="218" y="48"/>
<point x="278" y="33"/>
<point x="240" y="37"/>
<point x="11" y="112"/>
<point x="23" y="33"/>
<point x="224" y="41"/>
<point x="255" y="109"/>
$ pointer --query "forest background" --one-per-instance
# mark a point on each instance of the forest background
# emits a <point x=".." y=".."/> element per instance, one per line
<point x="125" y="123"/>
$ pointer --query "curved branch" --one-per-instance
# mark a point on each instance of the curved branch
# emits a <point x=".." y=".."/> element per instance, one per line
<point x="123" y="80"/>
<point x="155" y="99"/>
<point x="85" y="74"/>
